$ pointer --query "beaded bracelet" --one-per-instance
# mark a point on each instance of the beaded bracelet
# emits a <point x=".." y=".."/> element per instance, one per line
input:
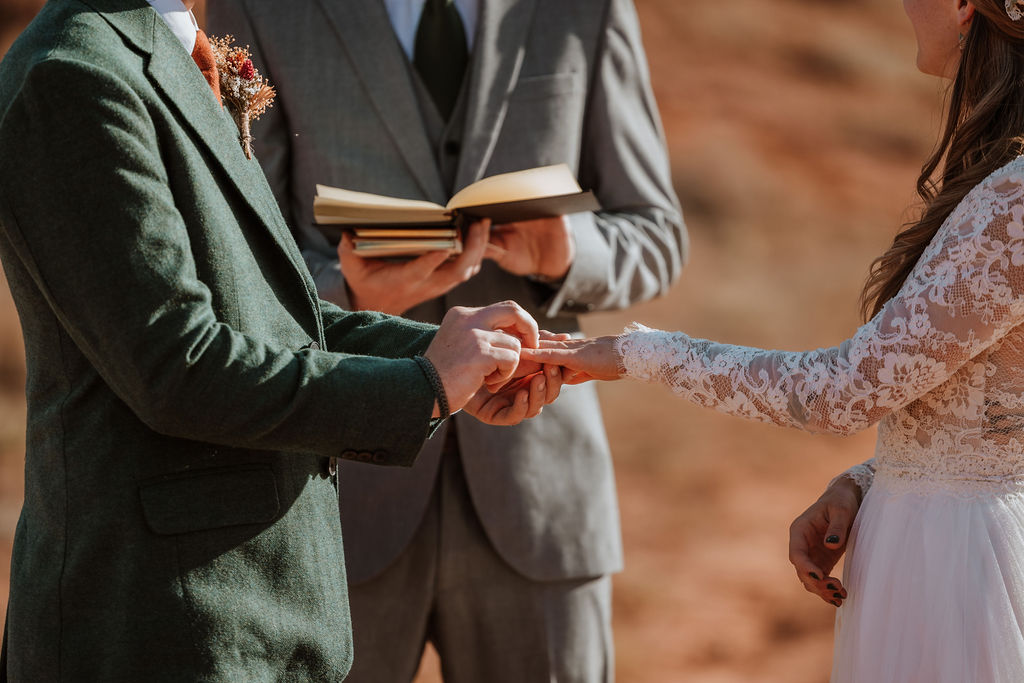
<point x="435" y="383"/>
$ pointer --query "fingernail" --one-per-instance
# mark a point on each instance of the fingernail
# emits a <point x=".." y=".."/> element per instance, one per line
<point x="837" y="603"/>
<point x="831" y="587"/>
<point x="815" y="576"/>
<point x="552" y="371"/>
<point x="832" y="539"/>
<point x="542" y="386"/>
<point x="837" y="595"/>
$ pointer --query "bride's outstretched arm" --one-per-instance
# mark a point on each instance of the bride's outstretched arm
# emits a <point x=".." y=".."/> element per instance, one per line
<point x="966" y="292"/>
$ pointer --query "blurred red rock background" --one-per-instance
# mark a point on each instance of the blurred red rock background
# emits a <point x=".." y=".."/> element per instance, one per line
<point x="796" y="129"/>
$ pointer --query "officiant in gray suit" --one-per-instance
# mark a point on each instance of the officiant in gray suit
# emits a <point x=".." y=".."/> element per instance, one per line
<point x="498" y="545"/>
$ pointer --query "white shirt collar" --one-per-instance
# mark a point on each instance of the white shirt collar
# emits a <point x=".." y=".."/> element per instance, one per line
<point x="180" y="20"/>
<point x="405" y="18"/>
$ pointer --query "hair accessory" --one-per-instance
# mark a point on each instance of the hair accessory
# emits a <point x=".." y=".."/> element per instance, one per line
<point x="1015" y="9"/>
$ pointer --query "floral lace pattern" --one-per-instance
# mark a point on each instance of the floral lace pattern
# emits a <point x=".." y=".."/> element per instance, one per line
<point x="863" y="475"/>
<point x="940" y="368"/>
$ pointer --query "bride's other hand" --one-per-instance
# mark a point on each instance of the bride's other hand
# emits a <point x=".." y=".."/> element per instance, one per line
<point x="518" y="400"/>
<point x="817" y="539"/>
<point x="582" y="360"/>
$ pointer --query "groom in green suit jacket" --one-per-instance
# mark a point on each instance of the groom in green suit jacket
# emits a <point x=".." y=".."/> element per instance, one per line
<point x="187" y="392"/>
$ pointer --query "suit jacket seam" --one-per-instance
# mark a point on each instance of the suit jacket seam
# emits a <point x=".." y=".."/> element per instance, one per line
<point x="64" y="459"/>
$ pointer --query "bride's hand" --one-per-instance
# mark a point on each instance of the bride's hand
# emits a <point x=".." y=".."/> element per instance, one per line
<point x="817" y="539"/>
<point x="518" y="400"/>
<point x="582" y="360"/>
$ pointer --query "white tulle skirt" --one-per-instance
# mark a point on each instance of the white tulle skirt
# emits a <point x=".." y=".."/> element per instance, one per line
<point x="935" y="575"/>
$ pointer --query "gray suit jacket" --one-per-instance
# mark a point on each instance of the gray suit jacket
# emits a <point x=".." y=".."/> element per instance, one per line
<point x="550" y="82"/>
<point x="179" y="521"/>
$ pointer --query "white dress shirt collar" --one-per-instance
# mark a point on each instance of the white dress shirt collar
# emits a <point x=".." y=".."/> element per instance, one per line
<point x="405" y="18"/>
<point x="181" y="21"/>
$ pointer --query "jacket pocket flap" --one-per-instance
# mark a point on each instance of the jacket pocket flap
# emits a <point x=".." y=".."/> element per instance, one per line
<point x="548" y="85"/>
<point x="206" y="499"/>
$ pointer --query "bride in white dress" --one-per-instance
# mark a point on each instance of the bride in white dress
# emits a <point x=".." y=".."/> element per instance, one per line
<point x="935" y="567"/>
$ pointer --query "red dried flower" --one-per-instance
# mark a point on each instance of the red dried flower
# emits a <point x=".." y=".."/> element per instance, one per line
<point x="247" y="70"/>
<point x="244" y="90"/>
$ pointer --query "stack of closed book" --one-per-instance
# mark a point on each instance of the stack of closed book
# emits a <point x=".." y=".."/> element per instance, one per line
<point x="395" y="242"/>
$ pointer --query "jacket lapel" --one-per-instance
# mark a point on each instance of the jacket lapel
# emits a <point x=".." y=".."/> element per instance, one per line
<point x="364" y="30"/>
<point x="173" y="73"/>
<point x="497" y="58"/>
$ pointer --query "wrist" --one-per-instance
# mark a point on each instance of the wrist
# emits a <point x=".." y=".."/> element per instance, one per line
<point x="441" y="408"/>
<point x="554" y="282"/>
<point x="848" y="486"/>
<point x="553" y="273"/>
<point x="355" y="301"/>
<point x="363" y="303"/>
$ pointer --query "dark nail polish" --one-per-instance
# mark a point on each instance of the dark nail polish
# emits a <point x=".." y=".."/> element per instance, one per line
<point x="837" y="603"/>
<point x="832" y="539"/>
<point x="815" y="576"/>
<point x="831" y="587"/>
<point x="837" y="595"/>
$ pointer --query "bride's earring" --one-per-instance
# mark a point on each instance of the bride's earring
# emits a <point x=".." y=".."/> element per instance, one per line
<point x="960" y="42"/>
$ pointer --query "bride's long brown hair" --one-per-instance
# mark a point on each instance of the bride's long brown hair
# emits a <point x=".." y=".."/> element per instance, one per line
<point x="984" y="130"/>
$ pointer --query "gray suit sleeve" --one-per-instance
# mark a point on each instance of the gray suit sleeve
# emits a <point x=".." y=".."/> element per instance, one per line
<point x="635" y="248"/>
<point x="273" y="150"/>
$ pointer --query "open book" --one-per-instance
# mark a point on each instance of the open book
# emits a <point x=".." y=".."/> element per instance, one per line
<point x="506" y="198"/>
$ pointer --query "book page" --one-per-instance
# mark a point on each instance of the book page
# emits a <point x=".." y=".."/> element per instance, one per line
<point x="400" y="233"/>
<point x="397" y="248"/>
<point x="337" y="196"/>
<point x="335" y="205"/>
<point x="546" y="181"/>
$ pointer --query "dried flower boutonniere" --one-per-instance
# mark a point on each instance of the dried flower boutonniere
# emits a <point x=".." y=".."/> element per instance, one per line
<point x="241" y="86"/>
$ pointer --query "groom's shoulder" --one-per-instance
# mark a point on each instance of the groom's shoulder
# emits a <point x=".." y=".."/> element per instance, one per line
<point x="65" y="35"/>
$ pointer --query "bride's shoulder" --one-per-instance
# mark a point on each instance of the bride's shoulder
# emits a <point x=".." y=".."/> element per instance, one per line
<point x="1007" y="180"/>
<point x="999" y="194"/>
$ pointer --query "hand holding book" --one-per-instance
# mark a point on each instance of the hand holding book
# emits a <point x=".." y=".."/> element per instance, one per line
<point x="543" y="248"/>
<point x="394" y="287"/>
<point x="389" y="226"/>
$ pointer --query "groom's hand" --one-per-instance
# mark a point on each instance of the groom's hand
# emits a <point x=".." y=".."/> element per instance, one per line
<point x="518" y="400"/>
<point x="478" y="346"/>
<point x="817" y="539"/>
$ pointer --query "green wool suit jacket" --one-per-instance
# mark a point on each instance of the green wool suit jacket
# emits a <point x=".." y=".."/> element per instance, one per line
<point x="186" y="387"/>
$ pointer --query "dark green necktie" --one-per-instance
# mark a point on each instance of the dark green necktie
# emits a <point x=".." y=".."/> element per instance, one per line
<point x="441" y="53"/>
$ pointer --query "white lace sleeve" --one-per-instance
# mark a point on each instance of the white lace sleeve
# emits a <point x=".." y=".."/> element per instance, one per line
<point x="966" y="292"/>
<point x="863" y="475"/>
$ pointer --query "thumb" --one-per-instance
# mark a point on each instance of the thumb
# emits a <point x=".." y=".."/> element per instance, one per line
<point x="839" y="525"/>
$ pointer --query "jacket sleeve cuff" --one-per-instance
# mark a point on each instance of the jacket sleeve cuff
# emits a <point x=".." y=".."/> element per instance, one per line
<point x="587" y="278"/>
